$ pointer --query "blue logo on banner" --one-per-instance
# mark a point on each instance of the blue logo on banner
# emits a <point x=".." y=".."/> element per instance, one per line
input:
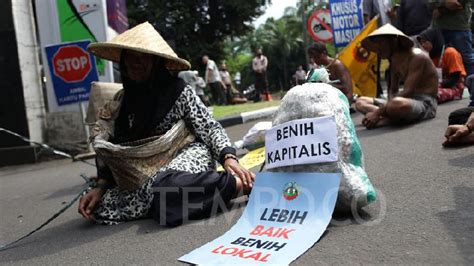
<point x="286" y="215"/>
<point x="347" y="20"/>
<point x="72" y="70"/>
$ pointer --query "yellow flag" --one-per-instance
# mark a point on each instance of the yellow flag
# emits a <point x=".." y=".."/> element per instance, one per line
<point x="251" y="159"/>
<point x="361" y="63"/>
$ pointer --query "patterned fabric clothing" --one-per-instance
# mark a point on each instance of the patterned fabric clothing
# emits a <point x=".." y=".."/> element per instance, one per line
<point x="449" y="94"/>
<point x="212" y="143"/>
<point x="451" y="63"/>
<point x="119" y="206"/>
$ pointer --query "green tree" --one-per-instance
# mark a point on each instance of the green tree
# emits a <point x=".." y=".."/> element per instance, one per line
<point x="195" y="27"/>
<point x="285" y="35"/>
<point x="280" y="40"/>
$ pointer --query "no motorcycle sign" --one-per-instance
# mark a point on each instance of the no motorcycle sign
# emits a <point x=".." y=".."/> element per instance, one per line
<point x="319" y="26"/>
<point x="72" y="70"/>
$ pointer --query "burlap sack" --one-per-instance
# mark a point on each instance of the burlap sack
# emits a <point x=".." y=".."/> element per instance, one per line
<point x="132" y="163"/>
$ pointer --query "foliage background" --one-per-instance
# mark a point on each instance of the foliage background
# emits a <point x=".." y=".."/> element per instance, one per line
<point x="223" y="29"/>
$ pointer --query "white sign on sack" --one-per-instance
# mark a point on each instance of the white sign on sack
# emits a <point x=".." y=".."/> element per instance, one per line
<point x="303" y="141"/>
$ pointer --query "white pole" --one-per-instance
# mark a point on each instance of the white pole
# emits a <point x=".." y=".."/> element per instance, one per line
<point x="83" y="120"/>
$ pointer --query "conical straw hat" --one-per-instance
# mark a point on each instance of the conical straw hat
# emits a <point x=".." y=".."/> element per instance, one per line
<point x="370" y="43"/>
<point x="141" y="38"/>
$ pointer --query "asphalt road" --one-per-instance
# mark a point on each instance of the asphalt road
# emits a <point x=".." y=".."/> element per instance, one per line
<point x="425" y="211"/>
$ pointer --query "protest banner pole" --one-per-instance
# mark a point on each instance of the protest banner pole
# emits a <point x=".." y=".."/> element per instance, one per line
<point x="83" y="120"/>
<point x="305" y="37"/>
<point x="358" y="61"/>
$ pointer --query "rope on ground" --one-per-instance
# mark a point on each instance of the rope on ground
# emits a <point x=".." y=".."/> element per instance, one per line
<point x="89" y="181"/>
<point x="47" y="147"/>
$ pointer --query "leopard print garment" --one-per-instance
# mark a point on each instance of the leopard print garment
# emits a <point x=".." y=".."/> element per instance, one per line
<point x="118" y="206"/>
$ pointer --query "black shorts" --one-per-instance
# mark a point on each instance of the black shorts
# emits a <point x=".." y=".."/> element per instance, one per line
<point x="179" y="196"/>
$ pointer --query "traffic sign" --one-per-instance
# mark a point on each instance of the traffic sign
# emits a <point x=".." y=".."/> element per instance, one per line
<point x="72" y="70"/>
<point x="319" y="26"/>
<point x="71" y="63"/>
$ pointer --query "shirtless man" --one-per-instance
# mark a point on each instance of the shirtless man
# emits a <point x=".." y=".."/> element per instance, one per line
<point x="337" y="71"/>
<point x="417" y="100"/>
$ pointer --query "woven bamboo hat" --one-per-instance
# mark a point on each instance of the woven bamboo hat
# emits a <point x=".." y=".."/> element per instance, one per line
<point x="370" y="42"/>
<point x="141" y="38"/>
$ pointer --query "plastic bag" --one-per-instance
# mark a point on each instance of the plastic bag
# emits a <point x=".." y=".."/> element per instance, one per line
<point x="316" y="100"/>
<point x="255" y="137"/>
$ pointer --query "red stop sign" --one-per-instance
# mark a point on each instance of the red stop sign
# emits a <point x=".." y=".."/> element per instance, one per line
<point x="71" y="63"/>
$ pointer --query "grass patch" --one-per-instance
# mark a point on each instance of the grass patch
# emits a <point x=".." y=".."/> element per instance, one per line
<point x="231" y="110"/>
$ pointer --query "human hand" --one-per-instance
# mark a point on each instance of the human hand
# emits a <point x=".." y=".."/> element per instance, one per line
<point x="454" y="133"/>
<point x="453" y="5"/>
<point x="233" y="167"/>
<point x="88" y="202"/>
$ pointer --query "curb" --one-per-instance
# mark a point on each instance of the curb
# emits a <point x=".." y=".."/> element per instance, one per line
<point x="247" y="116"/>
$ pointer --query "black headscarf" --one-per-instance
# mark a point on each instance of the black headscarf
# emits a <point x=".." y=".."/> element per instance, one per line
<point x="145" y="104"/>
<point x="436" y="38"/>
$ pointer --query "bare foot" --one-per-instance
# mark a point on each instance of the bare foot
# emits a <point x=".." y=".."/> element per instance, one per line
<point x="382" y="122"/>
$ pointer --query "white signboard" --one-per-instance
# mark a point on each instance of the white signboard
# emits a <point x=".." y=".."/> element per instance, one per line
<point x="303" y="141"/>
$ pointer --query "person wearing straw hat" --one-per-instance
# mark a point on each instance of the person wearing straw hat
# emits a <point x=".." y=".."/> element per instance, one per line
<point x="153" y="101"/>
<point x="417" y="100"/>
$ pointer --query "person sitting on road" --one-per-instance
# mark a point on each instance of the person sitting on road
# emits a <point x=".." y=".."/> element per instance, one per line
<point x="460" y="129"/>
<point x="417" y="101"/>
<point x="338" y="73"/>
<point x="448" y="61"/>
<point x="152" y="102"/>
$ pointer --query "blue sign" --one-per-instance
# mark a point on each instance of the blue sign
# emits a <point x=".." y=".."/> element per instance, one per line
<point x="286" y="215"/>
<point x="347" y="20"/>
<point x="72" y="70"/>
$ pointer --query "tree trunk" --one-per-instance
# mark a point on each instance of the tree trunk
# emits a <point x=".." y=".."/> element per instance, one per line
<point x="285" y="72"/>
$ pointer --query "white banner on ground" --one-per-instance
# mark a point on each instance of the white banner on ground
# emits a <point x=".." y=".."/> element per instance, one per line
<point x="286" y="214"/>
<point x="303" y="141"/>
